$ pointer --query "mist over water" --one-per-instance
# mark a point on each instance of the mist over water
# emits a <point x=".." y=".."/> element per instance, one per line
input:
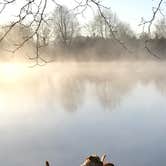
<point x="63" y="112"/>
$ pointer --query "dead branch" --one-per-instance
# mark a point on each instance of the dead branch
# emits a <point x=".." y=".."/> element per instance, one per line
<point x="108" y="24"/>
<point x="22" y="18"/>
<point x="149" y="23"/>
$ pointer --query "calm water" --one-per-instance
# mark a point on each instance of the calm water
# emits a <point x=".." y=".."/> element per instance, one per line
<point x="65" y="112"/>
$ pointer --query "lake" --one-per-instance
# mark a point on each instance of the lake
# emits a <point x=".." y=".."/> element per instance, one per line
<point x="63" y="112"/>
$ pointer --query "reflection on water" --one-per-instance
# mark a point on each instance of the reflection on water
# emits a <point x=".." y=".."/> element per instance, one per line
<point x="64" y="112"/>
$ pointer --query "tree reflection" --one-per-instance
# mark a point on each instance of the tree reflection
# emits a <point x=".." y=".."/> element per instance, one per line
<point x="71" y="93"/>
<point x="69" y="88"/>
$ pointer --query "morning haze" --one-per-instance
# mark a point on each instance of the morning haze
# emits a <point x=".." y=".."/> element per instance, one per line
<point x="79" y="79"/>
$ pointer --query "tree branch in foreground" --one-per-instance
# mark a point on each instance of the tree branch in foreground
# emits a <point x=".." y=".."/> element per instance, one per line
<point x="149" y="23"/>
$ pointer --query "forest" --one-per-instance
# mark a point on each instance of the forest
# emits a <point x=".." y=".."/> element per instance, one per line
<point x="60" y="35"/>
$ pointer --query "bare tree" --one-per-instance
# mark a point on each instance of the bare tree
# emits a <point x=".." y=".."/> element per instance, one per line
<point x="100" y="28"/>
<point x="45" y="34"/>
<point x="124" y="31"/>
<point x="65" y="26"/>
<point x="160" y="28"/>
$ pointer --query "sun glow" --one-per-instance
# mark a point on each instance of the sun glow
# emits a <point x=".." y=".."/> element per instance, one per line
<point x="11" y="72"/>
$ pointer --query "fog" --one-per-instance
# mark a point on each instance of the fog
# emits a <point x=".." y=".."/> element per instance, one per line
<point x="68" y="81"/>
<point x="72" y="86"/>
<point x="65" y="111"/>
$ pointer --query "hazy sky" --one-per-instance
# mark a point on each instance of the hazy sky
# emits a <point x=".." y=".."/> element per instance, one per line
<point x="132" y="10"/>
<point x="129" y="11"/>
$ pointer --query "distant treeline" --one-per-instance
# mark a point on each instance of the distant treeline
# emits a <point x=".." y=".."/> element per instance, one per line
<point x="103" y="38"/>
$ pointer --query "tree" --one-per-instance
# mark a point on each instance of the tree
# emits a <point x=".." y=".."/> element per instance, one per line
<point x="45" y="34"/>
<point x="160" y="28"/>
<point x="124" y="31"/>
<point x="65" y="26"/>
<point x="100" y="26"/>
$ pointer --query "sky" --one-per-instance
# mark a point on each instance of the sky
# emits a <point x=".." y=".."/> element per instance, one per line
<point x="129" y="11"/>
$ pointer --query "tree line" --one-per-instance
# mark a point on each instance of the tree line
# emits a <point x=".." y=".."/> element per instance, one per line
<point x="104" y="37"/>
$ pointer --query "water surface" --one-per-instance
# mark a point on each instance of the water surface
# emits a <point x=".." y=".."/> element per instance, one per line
<point x="64" y="112"/>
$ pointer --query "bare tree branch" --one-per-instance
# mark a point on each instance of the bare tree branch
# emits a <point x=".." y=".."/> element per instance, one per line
<point x="155" y="12"/>
<point x="22" y="18"/>
<point x="98" y="5"/>
<point x="150" y="51"/>
<point x="149" y="23"/>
